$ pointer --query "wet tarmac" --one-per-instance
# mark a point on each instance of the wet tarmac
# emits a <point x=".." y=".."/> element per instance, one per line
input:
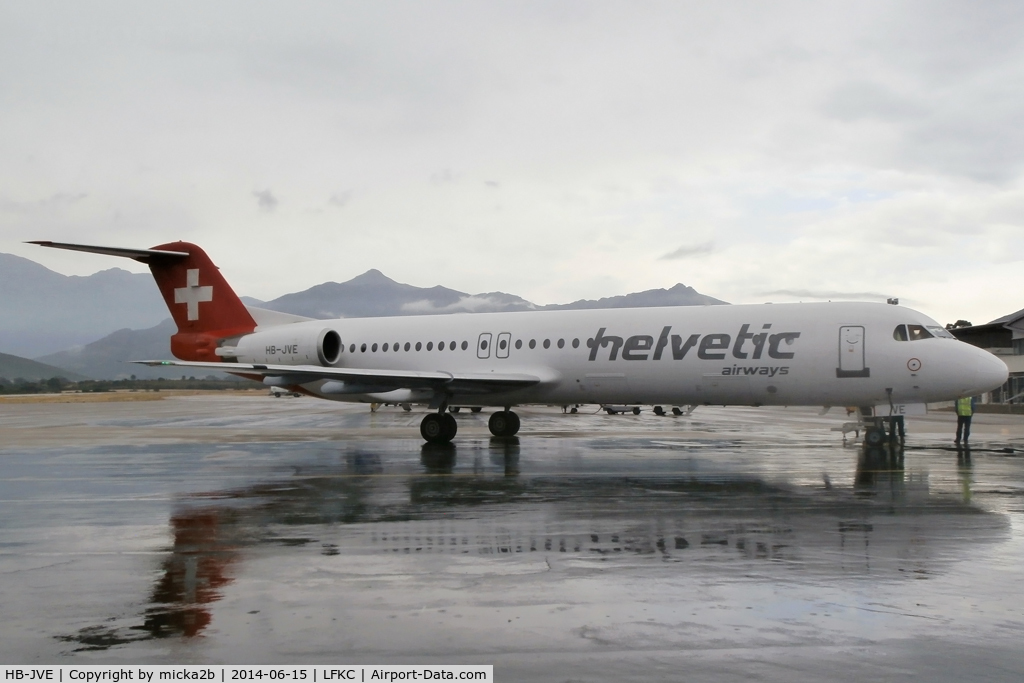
<point x="732" y="543"/>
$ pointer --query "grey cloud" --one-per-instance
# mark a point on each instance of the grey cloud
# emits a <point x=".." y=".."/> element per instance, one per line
<point x="491" y="183"/>
<point x="686" y="251"/>
<point x="54" y="201"/>
<point x="266" y="199"/>
<point x="968" y="131"/>
<point x="443" y="176"/>
<point x="63" y="199"/>
<point x="855" y="101"/>
<point x="940" y="74"/>
<point x="340" y="199"/>
<point x="470" y="304"/>
<point x="986" y="148"/>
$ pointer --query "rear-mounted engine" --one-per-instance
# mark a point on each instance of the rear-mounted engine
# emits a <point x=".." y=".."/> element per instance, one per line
<point x="287" y="346"/>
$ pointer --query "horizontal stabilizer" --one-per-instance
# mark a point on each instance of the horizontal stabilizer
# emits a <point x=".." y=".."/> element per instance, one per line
<point x="141" y="255"/>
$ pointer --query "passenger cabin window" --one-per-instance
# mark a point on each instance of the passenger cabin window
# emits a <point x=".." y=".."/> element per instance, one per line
<point x="519" y="343"/>
<point x="900" y="333"/>
<point x="918" y="332"/>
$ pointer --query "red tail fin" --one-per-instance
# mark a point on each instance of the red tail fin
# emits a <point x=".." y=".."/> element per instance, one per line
<point x="203" y="305"/>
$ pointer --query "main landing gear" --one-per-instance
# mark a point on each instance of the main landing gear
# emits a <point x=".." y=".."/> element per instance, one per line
<point x="438" y="428"/>
<point x="504" y="423"/>
<point x="441" y="427"/>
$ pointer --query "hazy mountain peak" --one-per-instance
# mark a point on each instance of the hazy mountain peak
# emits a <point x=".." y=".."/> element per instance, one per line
<point x="115" y="274"/>
<point x="371" y="277"/>
<point x="678" y="295"/>
<point x="14" y="368"/>
<point x="17" y="266"/>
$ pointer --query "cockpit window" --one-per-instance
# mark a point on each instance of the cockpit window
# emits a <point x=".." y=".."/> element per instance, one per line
<point x="900" y="333"/>
<point x="940" y="332"/>
<point x="918" y="332"/>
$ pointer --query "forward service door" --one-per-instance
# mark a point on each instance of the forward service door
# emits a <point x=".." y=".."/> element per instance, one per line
<point x="852" y="356"/>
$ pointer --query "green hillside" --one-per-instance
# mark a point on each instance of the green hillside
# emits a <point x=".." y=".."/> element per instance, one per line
<point x="15" y="367"/>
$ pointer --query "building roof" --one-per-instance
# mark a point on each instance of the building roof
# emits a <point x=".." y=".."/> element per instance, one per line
<point x="1008" y="320"/>
<point x="1001" y="332"/>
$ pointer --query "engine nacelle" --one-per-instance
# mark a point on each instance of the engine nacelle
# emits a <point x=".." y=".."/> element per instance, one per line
<point x="287" y="345"/>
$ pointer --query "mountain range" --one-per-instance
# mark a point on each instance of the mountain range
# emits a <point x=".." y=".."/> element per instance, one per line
<point x="91" y="325"/>
<point x="374" y="294"/>
<point x="42" y="311"/>
<point x="16" y="368"/>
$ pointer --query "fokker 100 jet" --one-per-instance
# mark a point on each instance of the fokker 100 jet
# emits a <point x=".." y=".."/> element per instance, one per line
<point x="811" y="354"/>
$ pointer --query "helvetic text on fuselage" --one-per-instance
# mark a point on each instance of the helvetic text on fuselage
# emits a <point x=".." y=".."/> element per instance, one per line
<point x="714" y="346"/>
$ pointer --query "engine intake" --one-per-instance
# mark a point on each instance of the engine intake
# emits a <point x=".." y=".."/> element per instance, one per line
<point x="328" y="347"/>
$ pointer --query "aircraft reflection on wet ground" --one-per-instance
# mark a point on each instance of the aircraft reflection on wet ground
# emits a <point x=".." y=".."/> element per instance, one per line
<point x="591" y="501"/>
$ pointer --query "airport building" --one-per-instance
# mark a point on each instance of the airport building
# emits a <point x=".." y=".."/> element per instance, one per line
<point x="1003" y="337"/>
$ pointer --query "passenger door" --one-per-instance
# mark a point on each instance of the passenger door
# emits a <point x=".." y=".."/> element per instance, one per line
<point x="851" y="352"/>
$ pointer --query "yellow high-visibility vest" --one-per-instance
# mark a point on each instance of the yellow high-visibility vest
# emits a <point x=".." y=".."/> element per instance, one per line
<point x="963" y="407"/>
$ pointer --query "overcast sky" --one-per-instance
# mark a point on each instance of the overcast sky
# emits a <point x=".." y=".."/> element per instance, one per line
<point x="556" y="150"/>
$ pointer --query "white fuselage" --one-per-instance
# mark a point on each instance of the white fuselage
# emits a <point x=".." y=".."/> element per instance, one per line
<point x="765" y="354"/>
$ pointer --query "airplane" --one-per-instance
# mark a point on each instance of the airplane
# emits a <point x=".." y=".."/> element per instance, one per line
<point x="807" y="354"/>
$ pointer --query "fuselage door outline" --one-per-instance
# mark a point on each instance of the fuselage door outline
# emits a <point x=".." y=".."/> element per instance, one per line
<point x="504" y="342"/>
<point x="852" y="357"/>
<point x="483" y="345"/>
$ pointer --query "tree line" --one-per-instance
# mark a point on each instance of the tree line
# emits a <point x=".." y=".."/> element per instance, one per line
<point x="56" y="385"/>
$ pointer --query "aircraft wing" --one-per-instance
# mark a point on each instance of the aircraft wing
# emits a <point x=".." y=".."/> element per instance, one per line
<point x="485" y="382"/>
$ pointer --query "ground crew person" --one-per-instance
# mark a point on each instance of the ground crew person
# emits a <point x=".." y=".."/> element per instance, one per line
<point x="964" y="411"/>
<point x="896" y="426"/>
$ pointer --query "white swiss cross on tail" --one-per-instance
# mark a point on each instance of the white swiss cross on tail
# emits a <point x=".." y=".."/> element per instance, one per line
<point x="192" y="294"/>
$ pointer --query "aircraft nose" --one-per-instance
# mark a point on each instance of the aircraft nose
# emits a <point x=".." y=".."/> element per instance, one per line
<point x="990" y="372"/>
